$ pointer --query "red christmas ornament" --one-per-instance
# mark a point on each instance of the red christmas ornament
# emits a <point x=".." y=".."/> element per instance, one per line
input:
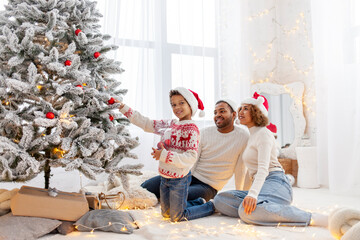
<point x="67" y="63"/>
<point x="50" y="115"/>
<point x="80" y="86"/>
<point x="159" y="145"/>
<point x="111" y="101"/>
<point x="111" y="117"/>
<point x="167" y="142"/>
<point x="77" y="31"/>
<point x="96" y="54"/>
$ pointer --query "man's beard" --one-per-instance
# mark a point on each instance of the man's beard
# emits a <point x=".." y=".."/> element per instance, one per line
<point x="225" y="122"/>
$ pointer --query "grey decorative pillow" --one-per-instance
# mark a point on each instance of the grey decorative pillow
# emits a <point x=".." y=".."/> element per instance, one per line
<point x="107" y="220"/>
<point x="27" y="228"/>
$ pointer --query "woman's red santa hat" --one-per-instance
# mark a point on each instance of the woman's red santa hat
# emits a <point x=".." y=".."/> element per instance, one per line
<point x="272" y="128"/>
<point x="193" y="100"/>
<point x="260" y="101"/>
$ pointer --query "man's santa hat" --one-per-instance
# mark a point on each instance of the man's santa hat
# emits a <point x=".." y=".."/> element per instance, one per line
<point x="193" y="99"/>
<point x="230" y="102"/>
<point x="232" y="105"/>
<point x="260" y="101"/>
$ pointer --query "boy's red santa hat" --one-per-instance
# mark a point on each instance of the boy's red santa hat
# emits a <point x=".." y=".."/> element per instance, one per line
<point x="193" y="100"/>
<point x="258" y="100"/>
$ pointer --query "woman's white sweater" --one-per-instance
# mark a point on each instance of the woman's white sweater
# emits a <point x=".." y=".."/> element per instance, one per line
<point x="260" y="157"/>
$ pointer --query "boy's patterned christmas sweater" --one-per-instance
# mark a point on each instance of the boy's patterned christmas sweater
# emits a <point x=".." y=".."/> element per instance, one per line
<point x="179" y="157"/>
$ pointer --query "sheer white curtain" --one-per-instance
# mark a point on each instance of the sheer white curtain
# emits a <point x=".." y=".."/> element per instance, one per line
<point x="169" y="43"/>
<point x="336" y="34"/>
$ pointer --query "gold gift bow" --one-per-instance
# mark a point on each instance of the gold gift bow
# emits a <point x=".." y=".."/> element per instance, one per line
<point x="105" y="197"/>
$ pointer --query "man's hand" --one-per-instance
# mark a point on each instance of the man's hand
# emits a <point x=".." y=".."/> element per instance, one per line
<point x="249" y="204"/>
<point x="157" y="152"/>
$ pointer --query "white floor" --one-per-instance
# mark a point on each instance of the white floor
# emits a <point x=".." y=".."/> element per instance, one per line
<point x="212" y="227"/>
<point x="222" y="227"/>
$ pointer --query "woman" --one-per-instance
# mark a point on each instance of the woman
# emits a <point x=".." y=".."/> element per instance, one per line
<point x="270" y="195"/>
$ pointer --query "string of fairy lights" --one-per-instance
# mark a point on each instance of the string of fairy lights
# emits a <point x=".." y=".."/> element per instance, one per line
<point x="267" y="54"/>
<point x="92" y="229"/>
<point x="152" y="218"/>
<point x="261" y="14"/>
<point x="298" y="27"/>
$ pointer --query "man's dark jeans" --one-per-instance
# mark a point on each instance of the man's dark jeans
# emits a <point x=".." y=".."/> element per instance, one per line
<point x="196" y="189"/>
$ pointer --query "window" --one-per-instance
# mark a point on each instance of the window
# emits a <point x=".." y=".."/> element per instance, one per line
<point x="164" y="44"/>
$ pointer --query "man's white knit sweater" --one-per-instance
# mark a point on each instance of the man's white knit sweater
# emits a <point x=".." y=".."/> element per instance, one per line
<point x="220" y="155"/>
<point x="260" y="157"/>
<point x="180" y="156"/>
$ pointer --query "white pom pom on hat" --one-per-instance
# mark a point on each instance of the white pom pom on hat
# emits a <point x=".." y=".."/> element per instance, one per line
<point x="201" y="113"/>
<point x="193" y="99"/>
<point x="258" y="100"/>
<point x="261" y="99"/>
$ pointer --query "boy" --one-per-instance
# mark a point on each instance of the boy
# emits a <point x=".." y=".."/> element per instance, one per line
<point x="177" y="154"/>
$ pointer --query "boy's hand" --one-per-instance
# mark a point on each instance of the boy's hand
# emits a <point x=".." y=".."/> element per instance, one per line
<point x="157" y="152"/>
<point x="121" y="105"/>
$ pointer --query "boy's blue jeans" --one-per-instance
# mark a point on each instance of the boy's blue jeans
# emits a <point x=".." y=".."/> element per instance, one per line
<point x="197" y="188"/>
<point x="173" y="200"/>
<point x="273" y="204"/>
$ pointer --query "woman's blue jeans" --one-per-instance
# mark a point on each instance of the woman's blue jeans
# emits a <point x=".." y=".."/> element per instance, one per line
<point x="273" y="204"/>
<point x="173" y="200"/>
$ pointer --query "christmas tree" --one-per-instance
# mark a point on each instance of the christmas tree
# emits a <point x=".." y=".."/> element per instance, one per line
<point x="57" y="94"/>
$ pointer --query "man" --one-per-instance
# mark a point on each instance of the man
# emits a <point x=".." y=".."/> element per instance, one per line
<point x="219" y="156"/>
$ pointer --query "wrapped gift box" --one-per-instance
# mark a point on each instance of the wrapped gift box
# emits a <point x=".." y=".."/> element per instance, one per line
<point x="36" y="202"/>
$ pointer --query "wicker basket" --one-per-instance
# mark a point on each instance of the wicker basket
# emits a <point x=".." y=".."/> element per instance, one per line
<point x="290" y="166"/>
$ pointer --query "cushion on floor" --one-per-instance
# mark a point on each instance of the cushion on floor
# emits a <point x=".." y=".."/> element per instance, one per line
<point x="27" y="228"/>
<point x="106" y="220"/>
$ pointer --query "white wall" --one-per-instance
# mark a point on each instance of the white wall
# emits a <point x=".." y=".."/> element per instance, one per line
<point x="280" y="48"/>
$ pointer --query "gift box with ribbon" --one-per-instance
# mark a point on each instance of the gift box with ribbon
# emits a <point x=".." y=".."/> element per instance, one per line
<point x="49" y="203"/>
